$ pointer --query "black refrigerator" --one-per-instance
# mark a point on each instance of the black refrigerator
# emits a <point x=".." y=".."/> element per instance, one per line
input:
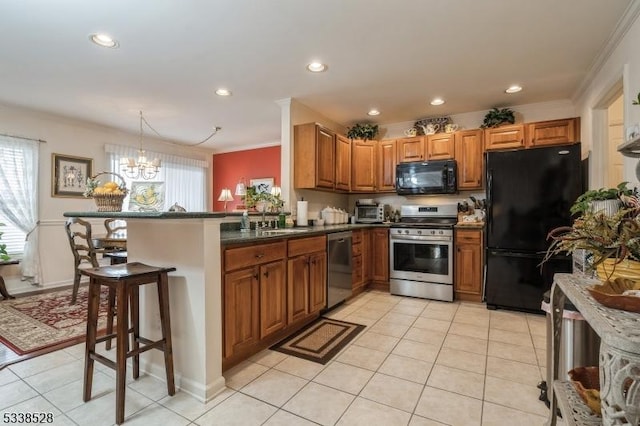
<point x="529" y="192"/>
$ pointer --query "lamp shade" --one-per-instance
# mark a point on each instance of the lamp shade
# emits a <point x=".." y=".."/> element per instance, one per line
<point x="241" y="189"/>
<point x="225" y="195"/>
<point x="276" y="191"/>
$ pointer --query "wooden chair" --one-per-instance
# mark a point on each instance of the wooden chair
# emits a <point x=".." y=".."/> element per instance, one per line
<point x="115" y="227"/>
<point x="85" y="253"/>
<point x="83" y="249"/>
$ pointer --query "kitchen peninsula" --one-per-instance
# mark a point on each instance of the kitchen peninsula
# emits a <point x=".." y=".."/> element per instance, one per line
<point x="190" y="242"/>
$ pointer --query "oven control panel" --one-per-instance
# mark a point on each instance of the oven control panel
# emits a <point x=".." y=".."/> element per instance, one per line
<point x="422" y="232"/>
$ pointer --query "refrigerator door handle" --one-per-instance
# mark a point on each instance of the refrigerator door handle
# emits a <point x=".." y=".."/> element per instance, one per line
<point x="533" y="255"/>
<point x="490" y="199"/>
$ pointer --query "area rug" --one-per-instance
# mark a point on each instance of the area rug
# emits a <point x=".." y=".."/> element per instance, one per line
<point x="320" y="341"/>
<point x="48" y="321"/>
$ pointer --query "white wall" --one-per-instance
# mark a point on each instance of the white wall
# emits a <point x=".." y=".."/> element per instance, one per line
<point x="77" y="138"/>
<point x="622" y="63"/>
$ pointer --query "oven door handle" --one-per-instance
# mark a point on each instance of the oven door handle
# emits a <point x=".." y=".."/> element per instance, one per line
<point x="423" y="238"/>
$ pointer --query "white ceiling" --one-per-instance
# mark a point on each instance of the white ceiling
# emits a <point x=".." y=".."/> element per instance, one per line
<point x="394" y="55"/>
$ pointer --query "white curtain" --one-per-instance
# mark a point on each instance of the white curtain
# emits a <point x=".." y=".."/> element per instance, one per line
<point x="19" y="196"/>
<point x="184" y="178"/>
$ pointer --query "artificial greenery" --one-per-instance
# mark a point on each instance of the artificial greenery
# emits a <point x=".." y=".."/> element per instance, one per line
<point x="4" y="256"/>
<point x="582" y="203"/>
<point x="495" y="117"/>
<point x="603" y="235"/>
<point x="363" y="131"/>
<point x="253" y="197"/>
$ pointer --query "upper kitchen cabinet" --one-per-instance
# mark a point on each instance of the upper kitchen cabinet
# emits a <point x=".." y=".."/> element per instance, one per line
<point x="504" y="137"/>
<point x="363" y="176"/>
<point x="387" y="160"/>
<point x="314" y="157"/>
<point x="410" y="149"/>
<point x="553" y="132"/>
<point x="440" y="146"/>
<point x="343" y="163"/>
<point x="469" y="149"/>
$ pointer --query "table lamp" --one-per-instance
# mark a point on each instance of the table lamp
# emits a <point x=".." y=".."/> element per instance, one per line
<point x="225" y="195"/>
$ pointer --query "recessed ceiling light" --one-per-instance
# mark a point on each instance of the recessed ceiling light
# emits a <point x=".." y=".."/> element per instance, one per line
<point x="437" y="101"/>
<point x="374" y="112"/>
<point x="316" y="67"/>
<point x="103" y="40"/>
<point x="513" y="89"/>
<point x="223" y="92"/>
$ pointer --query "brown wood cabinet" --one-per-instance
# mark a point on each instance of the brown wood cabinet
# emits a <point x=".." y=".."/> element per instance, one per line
<point x="253" y="283"/>
<point x="241" y="298"/>
<point x="553" y="132"/>
<point x="504" y="137"/>
<point x="410" y="149"/>
<point x="363" y="177"/>
<point x="380" y="256"/>
<point x="273" y="298"/>
<point x="440" y="146"/>
<point x="468" y="264"/>
<point x="469" y="157"/>
<point x="306" y="277"/>
<point x="357" y="276"/>
<point x="314" y="157"/>
<point x="387" y="160"/>
<point x="343" y="163"/>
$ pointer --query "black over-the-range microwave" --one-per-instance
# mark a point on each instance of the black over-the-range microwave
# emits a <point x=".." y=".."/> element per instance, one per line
<point x="426" y="177"/>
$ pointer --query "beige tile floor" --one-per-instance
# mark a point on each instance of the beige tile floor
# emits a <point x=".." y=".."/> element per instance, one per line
<point x="418" y="362"/>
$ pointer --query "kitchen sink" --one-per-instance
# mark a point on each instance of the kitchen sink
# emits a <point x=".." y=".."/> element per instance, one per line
<point x="282" y="231"/>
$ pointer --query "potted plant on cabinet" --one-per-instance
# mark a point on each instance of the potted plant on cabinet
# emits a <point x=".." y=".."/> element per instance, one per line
<point x="496" y="117"/>
<point x="363" y="131"/>
<point x="612" y="239"/>
<point x="603" y="199"/>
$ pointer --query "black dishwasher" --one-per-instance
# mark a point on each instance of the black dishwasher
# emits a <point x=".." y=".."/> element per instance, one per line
<point x="339" y="268"/>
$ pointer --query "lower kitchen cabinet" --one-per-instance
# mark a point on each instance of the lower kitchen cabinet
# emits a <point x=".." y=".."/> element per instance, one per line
<point x="306" y="277"/>
<point x="317" y="282"/>
<point x="269" y="291"/>
<point x="241" y="309"/>
<point x="273" y="298"/>
<point x="380" y="258"/>
<point x="468" y="264"/>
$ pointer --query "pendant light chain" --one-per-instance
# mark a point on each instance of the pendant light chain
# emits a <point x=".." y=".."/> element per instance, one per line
<point x="215" y="130"/>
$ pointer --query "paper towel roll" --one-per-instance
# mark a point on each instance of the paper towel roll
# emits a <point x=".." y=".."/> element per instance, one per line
<point x="301" y="218"/>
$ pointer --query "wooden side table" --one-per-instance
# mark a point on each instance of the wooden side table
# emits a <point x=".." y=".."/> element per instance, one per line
<point x="3" y="288"/>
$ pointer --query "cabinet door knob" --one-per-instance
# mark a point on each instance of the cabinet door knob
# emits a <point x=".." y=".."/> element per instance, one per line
<point x="259" y="255"/>
<point x="255" y="276"/>
<point x="266" y="274"/>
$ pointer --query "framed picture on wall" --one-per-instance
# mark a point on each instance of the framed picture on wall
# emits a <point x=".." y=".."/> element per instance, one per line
<point x="262" y="184"/>
<point x="69" y="175"/>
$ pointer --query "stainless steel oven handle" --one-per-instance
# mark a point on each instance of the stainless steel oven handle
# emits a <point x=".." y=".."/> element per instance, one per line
<point x="421" y="238"/>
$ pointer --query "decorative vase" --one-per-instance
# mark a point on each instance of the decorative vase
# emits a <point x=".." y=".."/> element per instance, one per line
<point x="609" y="270"/>
<point x="608" y="207"/>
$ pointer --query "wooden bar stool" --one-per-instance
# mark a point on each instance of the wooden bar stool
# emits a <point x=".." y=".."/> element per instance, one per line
<point x="126" y="280"/>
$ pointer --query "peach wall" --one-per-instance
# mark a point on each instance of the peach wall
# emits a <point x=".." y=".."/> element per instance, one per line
<point x="230" y="167"/>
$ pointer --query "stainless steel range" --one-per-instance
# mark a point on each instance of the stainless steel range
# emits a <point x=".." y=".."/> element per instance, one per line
<point x="421" y="252"/>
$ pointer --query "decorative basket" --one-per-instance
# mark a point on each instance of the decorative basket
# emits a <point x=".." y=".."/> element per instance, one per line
<point x="586" y="381"/>
<point x="109" y="202"/>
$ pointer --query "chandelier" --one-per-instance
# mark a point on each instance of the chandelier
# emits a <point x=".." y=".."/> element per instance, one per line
<point x="141" y="167"/>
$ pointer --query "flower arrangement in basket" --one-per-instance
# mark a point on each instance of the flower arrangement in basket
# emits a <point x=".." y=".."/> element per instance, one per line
<point x="108" y="197"/>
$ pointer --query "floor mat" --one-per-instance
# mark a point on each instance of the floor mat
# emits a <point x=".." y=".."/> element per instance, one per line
<point x="320" y="341"/>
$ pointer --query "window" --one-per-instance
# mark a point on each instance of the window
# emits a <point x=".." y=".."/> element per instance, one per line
<point x="184" y="178"/>
<point x="16" y="183"/>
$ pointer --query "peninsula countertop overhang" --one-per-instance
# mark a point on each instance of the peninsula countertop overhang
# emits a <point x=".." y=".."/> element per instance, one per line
<point x="151" y="215"/>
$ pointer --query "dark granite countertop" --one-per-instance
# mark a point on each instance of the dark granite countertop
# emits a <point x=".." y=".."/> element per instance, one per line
<point x="239" y="237"/>
<point x="150" y="215"/>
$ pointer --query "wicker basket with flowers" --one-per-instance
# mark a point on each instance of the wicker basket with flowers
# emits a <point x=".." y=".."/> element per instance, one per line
<point x="108" y="196"/>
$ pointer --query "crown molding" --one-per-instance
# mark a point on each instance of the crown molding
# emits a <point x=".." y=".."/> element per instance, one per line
<point x="625" y="22"/>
